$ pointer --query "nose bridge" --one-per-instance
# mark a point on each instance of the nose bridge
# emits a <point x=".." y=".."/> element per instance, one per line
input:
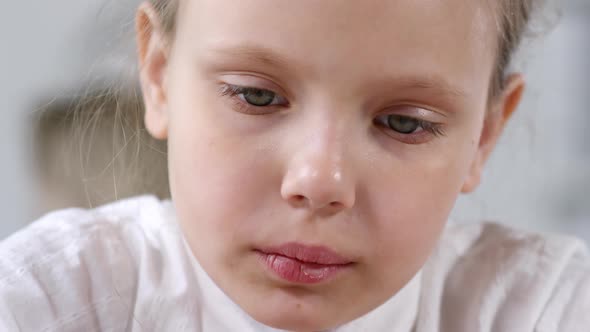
<point x="320" y="171"/>
<point x="325" y="152"/>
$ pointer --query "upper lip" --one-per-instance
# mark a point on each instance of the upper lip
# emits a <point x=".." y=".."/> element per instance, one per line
<point x="307" y="254"/>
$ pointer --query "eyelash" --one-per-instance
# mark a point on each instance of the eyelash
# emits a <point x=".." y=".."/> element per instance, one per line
<point x="233" y="91"/>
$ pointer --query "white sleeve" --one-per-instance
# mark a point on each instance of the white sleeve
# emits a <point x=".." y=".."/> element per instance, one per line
<point x="23" y="308"/>
<point x="59" y="275"/>
<point x="568" y="309"/>
<point x="8" y="321"/>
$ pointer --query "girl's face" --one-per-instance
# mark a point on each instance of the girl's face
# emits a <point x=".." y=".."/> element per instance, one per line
<point x="316" y="148"/>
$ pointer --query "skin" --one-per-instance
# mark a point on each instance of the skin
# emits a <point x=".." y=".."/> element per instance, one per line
<point x="320" y="168"/>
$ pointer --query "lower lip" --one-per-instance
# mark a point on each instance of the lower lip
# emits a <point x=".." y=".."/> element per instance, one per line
<point x="295" y="271"/>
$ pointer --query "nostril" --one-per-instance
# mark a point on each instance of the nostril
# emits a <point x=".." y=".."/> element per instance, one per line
<point x="304" y="201"/>
<point x="298" y="198"/>
<point x="336" y="204"/>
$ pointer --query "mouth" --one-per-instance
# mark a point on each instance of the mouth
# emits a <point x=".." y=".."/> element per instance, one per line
<point x="300" y="264"/>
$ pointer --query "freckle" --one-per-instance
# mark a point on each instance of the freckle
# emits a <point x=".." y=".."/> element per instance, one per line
<point x="298" y="306"/>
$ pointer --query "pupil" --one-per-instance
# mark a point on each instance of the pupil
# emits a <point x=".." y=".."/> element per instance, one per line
<point x="259" y="97"/>
<point x="403" y="125"/>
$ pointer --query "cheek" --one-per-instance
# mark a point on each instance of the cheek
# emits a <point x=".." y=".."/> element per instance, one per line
<point x="219" y="179"/>
<point x="411" y="201"/>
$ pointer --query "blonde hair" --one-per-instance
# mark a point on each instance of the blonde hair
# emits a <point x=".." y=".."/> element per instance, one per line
<point x="107" y="157"/>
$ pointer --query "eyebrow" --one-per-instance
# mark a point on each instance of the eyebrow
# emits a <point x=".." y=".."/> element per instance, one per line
<point x="430" y="83"/>
<point x="268" y="57"/>
<point x="253" y="53"/>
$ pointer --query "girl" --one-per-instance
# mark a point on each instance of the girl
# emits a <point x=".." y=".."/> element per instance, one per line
<point x="315" y="150"/>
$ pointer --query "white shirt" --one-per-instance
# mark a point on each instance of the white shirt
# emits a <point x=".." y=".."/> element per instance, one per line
<point x="126" y="267"/>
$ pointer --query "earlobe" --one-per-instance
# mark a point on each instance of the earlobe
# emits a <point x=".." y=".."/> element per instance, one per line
<point x="156" y="123"/>
<point x="494" y="124"/>
<point x="153" y="58"/>
<point x="473" y="180"/>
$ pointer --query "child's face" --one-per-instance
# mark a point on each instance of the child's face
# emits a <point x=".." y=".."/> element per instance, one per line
<point x="373" y="127"/>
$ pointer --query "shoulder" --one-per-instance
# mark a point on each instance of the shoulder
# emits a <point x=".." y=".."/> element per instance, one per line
<point x="73" y="265"/>
<point x="510" y="279"/>
<point x="72" y="232"/>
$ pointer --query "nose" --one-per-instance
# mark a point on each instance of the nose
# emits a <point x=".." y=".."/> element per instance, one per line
<point x="319" y="178"/>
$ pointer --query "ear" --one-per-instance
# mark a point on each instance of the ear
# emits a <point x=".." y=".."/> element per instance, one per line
<point x="153" y="59"/>
<point x="494" y="123"/>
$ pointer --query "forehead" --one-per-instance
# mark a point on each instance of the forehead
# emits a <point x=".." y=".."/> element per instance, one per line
<point x="353" y="40"/>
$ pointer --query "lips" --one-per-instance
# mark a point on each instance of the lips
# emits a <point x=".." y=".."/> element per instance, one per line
<point x="298" y="263"/>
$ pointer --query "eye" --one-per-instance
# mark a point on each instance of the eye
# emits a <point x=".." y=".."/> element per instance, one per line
<point x="258" y="97"/>
<point x="409" y="129"/>
<point x="253" y="97"/>
<point x="403" y="124"/>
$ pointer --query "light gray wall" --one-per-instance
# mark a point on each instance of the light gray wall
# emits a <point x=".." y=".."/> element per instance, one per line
<point x="32" y="35"/>
<point x="538" y="178"/>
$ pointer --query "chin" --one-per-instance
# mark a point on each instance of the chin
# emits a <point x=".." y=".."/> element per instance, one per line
<point x="299" y="315"/>
<point x="294" y="322"/>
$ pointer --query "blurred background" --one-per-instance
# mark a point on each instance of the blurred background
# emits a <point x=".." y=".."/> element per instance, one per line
<point x="59" y="58"/>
